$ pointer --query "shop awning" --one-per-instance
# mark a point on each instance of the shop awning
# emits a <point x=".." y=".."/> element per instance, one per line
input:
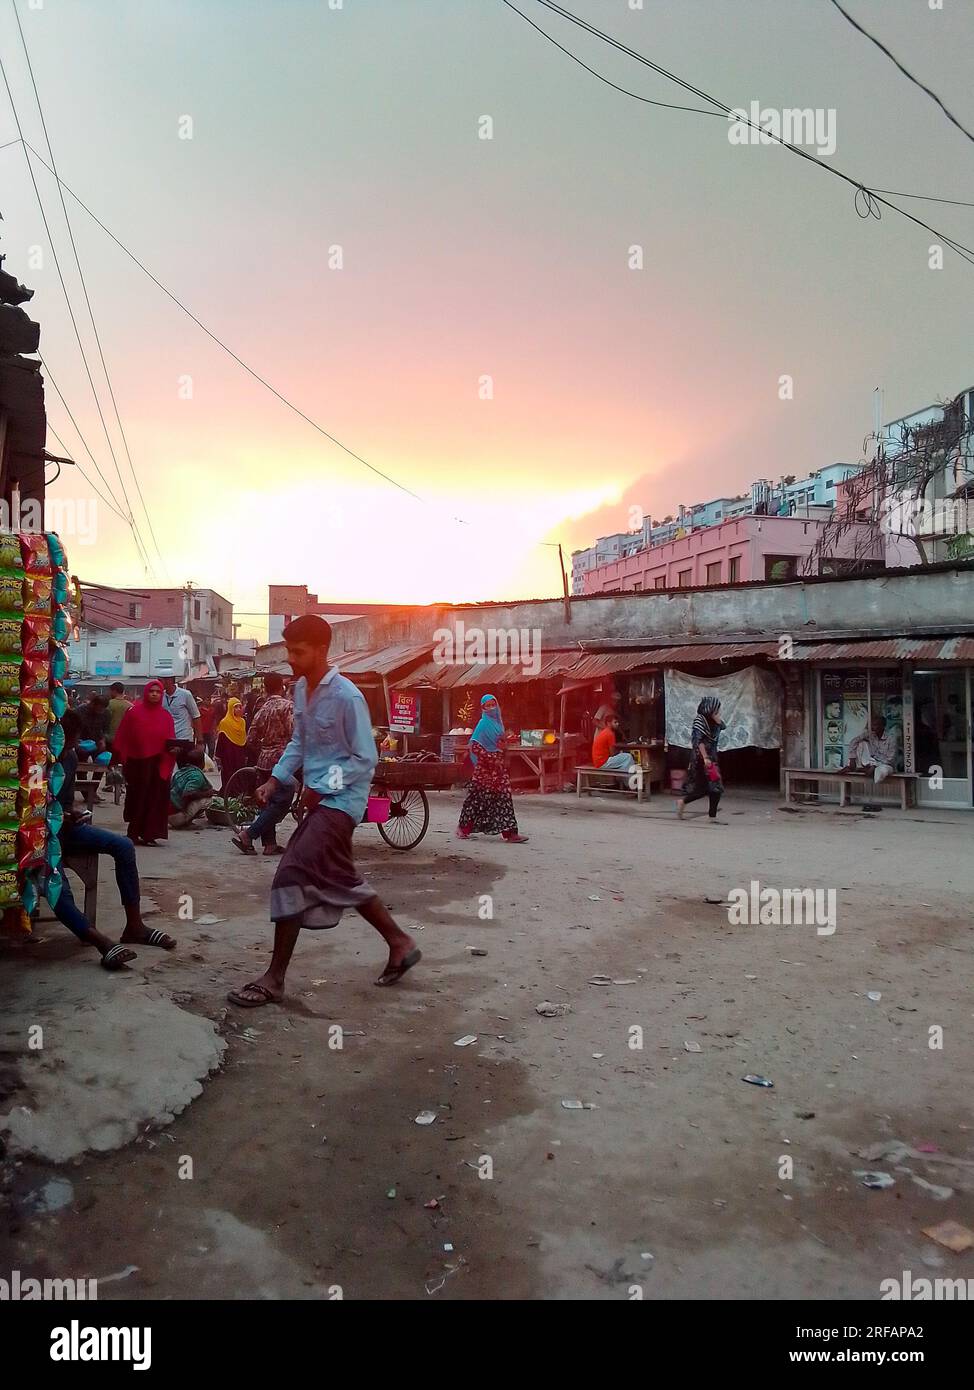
<point x="449" y="677"/>
<point x="959" y="649"/>
<point x="382" y="661"/>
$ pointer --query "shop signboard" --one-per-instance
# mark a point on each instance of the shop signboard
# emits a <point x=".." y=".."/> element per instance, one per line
<point x="404" y="712"/>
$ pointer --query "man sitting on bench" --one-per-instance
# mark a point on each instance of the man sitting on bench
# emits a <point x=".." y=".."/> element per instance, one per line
<point x="876" y="750"/>
<point x="604" y="756"/>
<point x="79" y="837"/>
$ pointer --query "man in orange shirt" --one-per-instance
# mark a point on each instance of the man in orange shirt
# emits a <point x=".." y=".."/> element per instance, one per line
<point x="603" y="749"/>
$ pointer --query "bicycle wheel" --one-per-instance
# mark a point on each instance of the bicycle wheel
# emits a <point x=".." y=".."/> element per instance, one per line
<point x="409" y="818"/>
<point x="240" y="798"/>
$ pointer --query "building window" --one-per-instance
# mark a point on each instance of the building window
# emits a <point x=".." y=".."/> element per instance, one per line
<point x="133" y="652"/>
<point x="659" y="582"/>
<point x="734" y="569"/>
<point x="196" y="609"/>
<point x="135" y="610"/>
<point x="171" y="598"/>
<point x="637" y="586"/>
<point x="196" y="651"/>
<point x="684" y="578"/>
<point x="780" y="567"/>
<point x="713" y="573"/>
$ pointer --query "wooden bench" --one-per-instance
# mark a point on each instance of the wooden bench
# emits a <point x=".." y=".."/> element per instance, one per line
<point x="589" y="779"/>
<point x="86" y="868"/>
<point x="905" y="780"/>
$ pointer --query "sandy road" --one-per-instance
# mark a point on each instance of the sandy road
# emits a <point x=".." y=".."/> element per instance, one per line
<point x="297" y="1144"/>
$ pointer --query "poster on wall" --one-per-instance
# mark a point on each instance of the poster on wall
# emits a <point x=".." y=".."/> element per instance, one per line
<point x="404" y="717"/>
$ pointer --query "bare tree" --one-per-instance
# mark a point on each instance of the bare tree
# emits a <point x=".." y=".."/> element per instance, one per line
<point x="915" y="487"/>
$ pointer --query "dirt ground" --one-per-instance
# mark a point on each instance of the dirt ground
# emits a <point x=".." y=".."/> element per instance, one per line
<point x="309" y="1172"/>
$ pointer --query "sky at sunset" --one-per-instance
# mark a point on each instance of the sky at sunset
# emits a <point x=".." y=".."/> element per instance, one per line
<point x="466" y="258"/>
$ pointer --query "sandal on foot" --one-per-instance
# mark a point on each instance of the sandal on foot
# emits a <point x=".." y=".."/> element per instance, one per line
<point x="155" y="937"/>
<point x="117" y="956"/>
<point x="243" y="847"/>
<point x="239" y="997"/>
<point x="391" y="976"/>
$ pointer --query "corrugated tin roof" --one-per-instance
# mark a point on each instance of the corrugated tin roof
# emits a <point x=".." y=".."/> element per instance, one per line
<point x="890" y="649"/>
<point x="713" y="651"/>
<point x="444" y="677"/>
<point x="383" y="660"/>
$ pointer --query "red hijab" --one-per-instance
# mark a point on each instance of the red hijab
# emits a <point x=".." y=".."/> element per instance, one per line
<point x="145" y="731"/>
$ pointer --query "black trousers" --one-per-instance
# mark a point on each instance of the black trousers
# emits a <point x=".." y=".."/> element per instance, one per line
<point x="712" y="796"/>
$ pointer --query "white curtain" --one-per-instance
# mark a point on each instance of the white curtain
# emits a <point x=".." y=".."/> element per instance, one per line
<point x="750" y="706"/>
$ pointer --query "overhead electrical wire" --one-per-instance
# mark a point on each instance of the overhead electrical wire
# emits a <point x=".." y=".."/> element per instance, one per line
<point x="112" y="504"/>
<point x="868" y="201"/>
<point x="220" y="343"/>
<point x="84" y="286"/>
<point x="905" y="71"/>
<point x="77" y="332"/>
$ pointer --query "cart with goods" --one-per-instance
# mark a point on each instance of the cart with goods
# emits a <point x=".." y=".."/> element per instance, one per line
<point x="398" y="805"/>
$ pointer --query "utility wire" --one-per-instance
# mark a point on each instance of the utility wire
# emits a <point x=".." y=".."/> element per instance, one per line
<point x="868" y="202"/>
<point x="74" y="322"/>
<point x="81" y="276"/>
<point x="49" y="377"/>
<point x="893" y="59"/>
<point x="700" y="110"/>
<point x="221" y="344"/>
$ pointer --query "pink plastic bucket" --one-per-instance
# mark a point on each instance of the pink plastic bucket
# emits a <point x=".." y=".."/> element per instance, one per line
<point x="377" y="810"/>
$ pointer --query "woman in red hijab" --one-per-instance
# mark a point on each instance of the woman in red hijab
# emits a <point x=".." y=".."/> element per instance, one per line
<point x="142" y="747"/>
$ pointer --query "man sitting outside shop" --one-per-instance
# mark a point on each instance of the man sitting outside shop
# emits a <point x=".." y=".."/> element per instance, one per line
<point x="604" y="755"/>
<point x="189" y="790"/>
<point x="875" y="750"/>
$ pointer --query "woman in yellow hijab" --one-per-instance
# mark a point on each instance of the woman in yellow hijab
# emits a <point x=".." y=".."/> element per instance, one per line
<point x="231" y="743"/>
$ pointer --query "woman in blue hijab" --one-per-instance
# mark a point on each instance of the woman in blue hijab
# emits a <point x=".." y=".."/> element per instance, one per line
<point x="489" y="806"/>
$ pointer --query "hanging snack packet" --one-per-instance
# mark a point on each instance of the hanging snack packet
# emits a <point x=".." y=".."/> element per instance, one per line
<point x="35" y="716"/>
<point x="10" y="636"/>
<point x="55" y="740"/>
<point x="9" y="680"/>
<point x="59" y="701"/>
<point x="9" y="890"/>
<point x="56" y="550"/>
<point x="9" y="760"/>
<point x="11" y="560"/>
<point x="11" y="593"/>
<point x="35" y="554"/>
<point x="35" y="594"/>
<point x="61" y="625"/>
<point x="31" y="845"/>
<point x="9" y="717"/>
<point x="32" y="759"/>
<point x="62" y="586"/>
<point x="55" y="817"/>
<point x="34" y="676"/>
<point x="8" y="843"/>
<point x="36" y="637"/>
<point x="30" y="895"/>
<point x="56" y="779"/>
<point x="52" y="886"/>
<point x="52" y="849"/>
<point x="9" y="803"/>
<point x="30" y="802"/>
<point x="59" y="663"/>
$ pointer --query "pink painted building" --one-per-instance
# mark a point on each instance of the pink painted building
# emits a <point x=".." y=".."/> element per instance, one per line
<point x="735" y="552"/>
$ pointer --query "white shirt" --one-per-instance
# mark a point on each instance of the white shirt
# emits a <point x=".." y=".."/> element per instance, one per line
<point x="184" y="710"/>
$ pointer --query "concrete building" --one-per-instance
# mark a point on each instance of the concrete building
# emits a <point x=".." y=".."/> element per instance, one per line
<point x="747" y="549"/>
<point x="129" y="654"/>
<point x="928" y="508"/>
<point x="810" y="498"/>
<point x="202" y="616"/>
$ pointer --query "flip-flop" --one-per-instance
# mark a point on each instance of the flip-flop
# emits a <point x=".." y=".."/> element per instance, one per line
<point x="236" y="996"/>
<point x="390" y="977"/>
<point x="155" y="937"/>
<point x="244" y="849"/>
<point x="117" y="956"/>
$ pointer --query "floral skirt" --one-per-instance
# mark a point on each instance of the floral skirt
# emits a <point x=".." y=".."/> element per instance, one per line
<point x="489" y="806"/>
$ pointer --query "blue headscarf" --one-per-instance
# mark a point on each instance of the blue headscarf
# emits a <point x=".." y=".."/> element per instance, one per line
<point x="488" y="732"/>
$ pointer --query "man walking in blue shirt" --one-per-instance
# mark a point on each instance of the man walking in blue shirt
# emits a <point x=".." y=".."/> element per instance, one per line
<point x="316" y="879"/>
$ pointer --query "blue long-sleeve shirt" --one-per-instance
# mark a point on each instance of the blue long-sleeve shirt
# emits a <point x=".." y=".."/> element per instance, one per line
<point x="333" y="743"/>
